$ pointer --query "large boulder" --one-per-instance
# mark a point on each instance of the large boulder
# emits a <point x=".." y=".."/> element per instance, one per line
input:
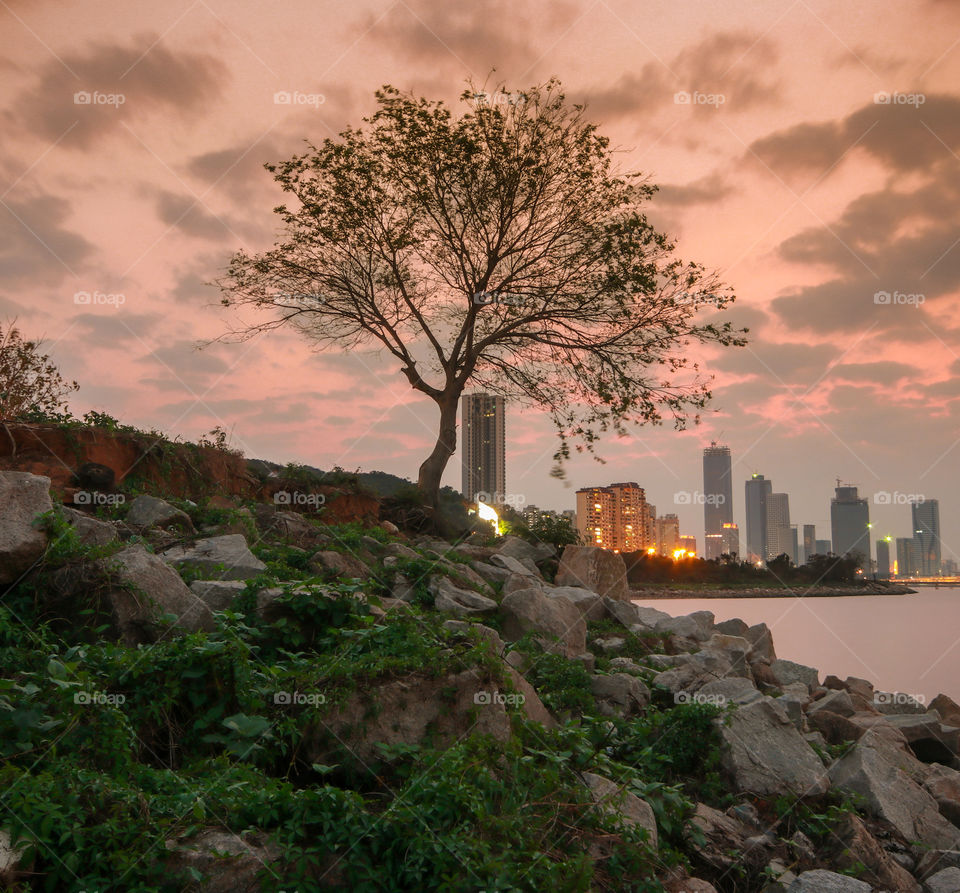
<point x="520" y="549"/>
<point x="619" y="694"/>
<point x="593" y="568"/>
<point x="944" y="881"/>
<point x="588" y="603"/>
<point x="149" y="511"/>
<point x="217" y="595"/>
<point x="90" y="531"/>
<point x="22" y="497"/>
<point x="822" y="881"/>
<point x="452" y="599"/>
<point x="948" y="709"/>
<point x="697" y="626"/>
<point x="219" y="557"/>
<point x="558" y="623"/>
<point x="765" y="755"/>
<point x="787" y="671"/>
<point x="339" y="563"/>
<point x="943" y="784"/>
<point x="883" y="775"/>
<point x="522" y="566"/>
<point x="761" y="638"/>
<point x="859" y="849"/>
<point x="633" y="810"/>
<point x="834" y="701"/>
<point x="144" y="588"/>
<point x="221" y="861"/>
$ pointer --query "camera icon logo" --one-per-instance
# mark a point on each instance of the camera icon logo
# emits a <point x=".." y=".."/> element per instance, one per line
<point x="482" y="698"/>
<point x="881" y="98"/>
<point x="882" y="297"/>
<point x="882" y="498"/>
<point x="82" y="697"/>
<point x="282" y="697"/>
<point x="82" y="297"/>
<point x="282" y="97"/>
<point x="681" y="98"/>
<point x="82" y="97"/>
<point x="683" y="497"/>
<point x="281" y="497"/>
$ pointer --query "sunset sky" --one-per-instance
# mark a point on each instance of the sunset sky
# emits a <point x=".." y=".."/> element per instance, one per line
<point x="791" y="177"/>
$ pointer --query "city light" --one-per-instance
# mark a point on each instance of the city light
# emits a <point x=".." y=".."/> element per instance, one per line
<point x="652" y="550"/>
<point x="487" y="513"/>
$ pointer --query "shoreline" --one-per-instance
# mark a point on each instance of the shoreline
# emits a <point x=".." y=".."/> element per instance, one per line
<point x="659" y="594"/>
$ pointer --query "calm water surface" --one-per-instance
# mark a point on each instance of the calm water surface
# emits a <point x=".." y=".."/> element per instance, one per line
<point x="907" y="643"/>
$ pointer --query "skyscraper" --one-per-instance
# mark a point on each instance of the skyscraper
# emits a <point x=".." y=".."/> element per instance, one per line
<point x="926" y="536"/>
<point x="883" y="558"/>
<point x="780" y="540"/>
<point x="615" y="517"/>
<point x="850" y="523"/>
<point x="824" y="547"/>
<point x="717" y="497"/>
<point x="809" y="541"/>
<point x="484" y="445"/>
<point x="731" y="539"/>
<point x="668" y="534"/>
<point x="906" y="566"/>
<point x="757" y="490"/>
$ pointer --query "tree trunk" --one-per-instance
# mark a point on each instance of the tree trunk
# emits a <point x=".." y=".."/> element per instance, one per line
<point x="432" y="469"/>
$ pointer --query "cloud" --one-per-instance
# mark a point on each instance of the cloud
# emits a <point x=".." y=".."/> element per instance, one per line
<point x="706" y="190"/>
<point x="114" y="84"/>
<point x="189" y="215"/>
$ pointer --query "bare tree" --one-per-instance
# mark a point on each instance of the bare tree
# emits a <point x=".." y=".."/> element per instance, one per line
<point x="498" y="249"/>
<point x="30" y="384"/>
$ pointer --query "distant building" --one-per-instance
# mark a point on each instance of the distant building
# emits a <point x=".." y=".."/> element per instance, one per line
<point x="926" y="537"/>
<point x="906" y="564"/>
<point x="484" y="447"/>
<point x="779" y="537"/>
<point x="824" y="547"/>
<point x="809" y="541"/>
<point x="794" y="552"/>
<point x="689" y="544"/>
<point x="731" y="539"/>
<point x="883" y="558"/>
<point x="850" y="523"/>
<point x="615" y="517"/>
<point x="949" y="566"/>
<point x="757" y="490"/>
<point x="668" y="534"/>
<point x="717" y="497"/>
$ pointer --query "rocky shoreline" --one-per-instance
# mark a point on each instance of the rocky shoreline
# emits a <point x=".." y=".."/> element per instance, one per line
<point x="865" y="589"/>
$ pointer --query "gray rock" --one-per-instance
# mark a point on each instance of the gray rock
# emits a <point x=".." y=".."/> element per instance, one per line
<point x="877" y="771"/>
<point x="733" y="627"/>
<point x="834" y="701"/>
<point x="822" y="881"/>
<point x="697" y="626"/>
<point x="761" y="638"/>
<point x="943" y="784"/>
<point x="402" y="589"/>
<point x="490" y="572"/>
<point x="610" y="645"/>
<point x="10" y="855"/>
<point x="340" y="563"/>
<point x="23" y="497"/>
<point x="217" y="595"/>
<point x="148" y="588"/>
<point x="736" y="649"/>
<point x="588" y="603"/>
<point x="621" y="693"/>
<point x="732" y="690"/>
<point x="598" y="570"/>
<point x="765" y="754"/>
<point x="514" y="565"/>
<point x="452" y="599"/>
<point x="514" y="547"/>
<point x="521" y="581"/>
<point x="891" y="703"/>
<point x="553" y="618"/>
<point x="149" y="511"/>
<point x="219" y="557"/>
<point x="649" y="617"/>
<point x="227" y="862"/>
<point x="945" y="881"/>
<point x="618" y="801"/>
<point x="787" y="671"/>
<point x="624" y="665"/>
<point x="489" y="634"/>
<point x="399" y="550"/>
<point x="91" y="531"/>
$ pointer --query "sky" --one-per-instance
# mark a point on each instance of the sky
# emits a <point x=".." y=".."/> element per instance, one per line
<point x="807" y="151"/>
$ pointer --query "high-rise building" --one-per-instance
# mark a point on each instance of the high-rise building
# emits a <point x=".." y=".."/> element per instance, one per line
<point x="731" y="539"/>
<point x="484" y="446"/>
<point x="926" y="536"/>
<point x="906" y="565"/>
<point x="689" y="544"/>
<point x="717" y="497"/>
<point x="850" y="523"/>
<point x="668" y="534"/>
<point x="757" y="490"/>
<point x="883" y="558"/>
<point x="824" y="547"/>
<point x="779" y="537"/>
<point x="794" y="552"/>
<point x="809" y="541"/>
<point x="615" y="517"/>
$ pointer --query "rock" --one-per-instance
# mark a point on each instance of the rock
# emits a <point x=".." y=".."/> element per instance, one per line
<point x="402" y="589"/>
<point x="928" y="738"/>
<point x="648" y="617"/>
<point x="390" y="527"/>
<point x="736" y="649"/>
<point x="589" y="660"/>
<point x="148" y="588"/>
<point x="793" y="707"/>
<point x="765" y="754"/>
<point x="516" y="582"/>
<point x="91" y="531"/>
<point x="588" y="603"/>
<point x="341" y="564"/>
<point x="474" y="553"/>
<point x="891" y="703"/>
<point x="219" y="557"/>
<point x="877" y="771"/>
<point x="598" y="570"/>
<point x="624" y="665"/>
<point x="514" y="565"/>
<point x="461" y="627"/>
<point x="514" y="547"/>
<point x="492" y="573"/>
<point x="610" y="645"/>
<point x="225" y="862"/>
<point x="694" y="671"/>
<point x="734" y="627"/>
<point x="217" y="595"/>
<point x="725" y="837"/>
<point x="943" y="784"/>
<point x="452" y="599"/>
<point x="697" y="626"/>
<point x="399" y="550"/>
<point x="533" y="707"/>
<point x="761" y="638"/>
<point x="821" y="881"/>
<point x="834" y="701"/>
<point x="23" y="497"/>
<point x="786" y="671"/>
<point x="861" y="848"/>
<point x="945" y="881"/>
<point x="730" y="690"/>
<point x="948" y="709"/>
<point x="620" y="693"/>
<point x="10" y="856"/>
<point x="689" y="885"/>
<point x="621" y="802"/>
<point x="836" y="729"/>
<point x="557" y="620"/>
<point x="936" y="860"/>
<point x="149" y="511"/>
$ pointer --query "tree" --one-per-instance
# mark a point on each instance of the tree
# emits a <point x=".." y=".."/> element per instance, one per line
<point x="31" y="386"/>
<point x="499" y="249"/>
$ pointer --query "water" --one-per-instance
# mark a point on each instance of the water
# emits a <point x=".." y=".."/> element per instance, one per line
<point x="906" y="643"/>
